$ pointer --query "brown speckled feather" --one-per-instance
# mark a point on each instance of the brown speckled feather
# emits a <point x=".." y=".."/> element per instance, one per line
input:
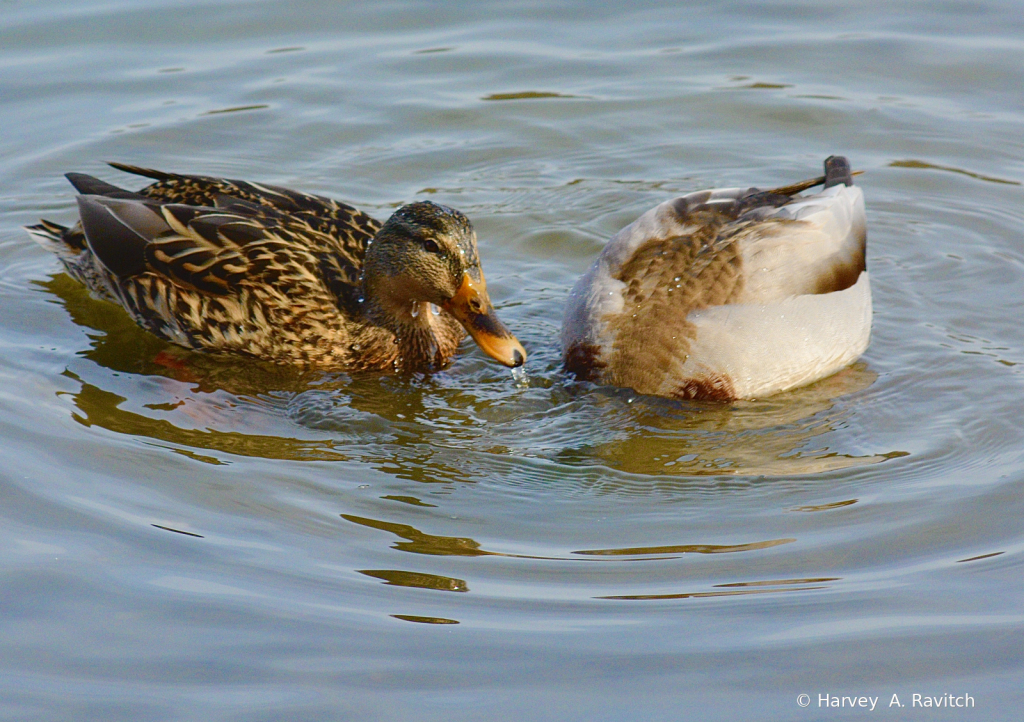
<point x="665" y="280"/>
<point x="238" y="267"/>
<point x="345" y="230"/>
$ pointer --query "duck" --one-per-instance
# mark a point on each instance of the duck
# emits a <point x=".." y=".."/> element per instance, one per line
<point x="727" y="294"/>
<point x="248" y="269"/>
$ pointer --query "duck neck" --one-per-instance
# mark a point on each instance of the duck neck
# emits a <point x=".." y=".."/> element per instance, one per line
<point x="421" y="337"/>
<point x="391" y="309"/>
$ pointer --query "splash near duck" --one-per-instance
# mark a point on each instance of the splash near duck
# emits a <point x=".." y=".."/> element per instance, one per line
<point x="236" y="267"/>
<point x="727" y="294"/>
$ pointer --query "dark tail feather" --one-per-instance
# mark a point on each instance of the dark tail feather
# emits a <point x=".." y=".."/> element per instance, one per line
<point x="837" y="170"/>
<point x="89" y="186"/>
<point x="794" y="188"/>
<point x="158" y="175"/>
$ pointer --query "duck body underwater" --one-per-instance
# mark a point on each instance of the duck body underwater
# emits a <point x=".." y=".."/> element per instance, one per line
<point x="727" y="294"/>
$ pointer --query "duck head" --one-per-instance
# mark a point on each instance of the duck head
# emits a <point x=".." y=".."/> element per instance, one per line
<point x="427" y="253"/>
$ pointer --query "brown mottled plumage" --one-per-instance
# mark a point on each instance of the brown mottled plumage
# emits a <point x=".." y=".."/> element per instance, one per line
<point x="237" y="267"/>
<point x="727" y="293"/>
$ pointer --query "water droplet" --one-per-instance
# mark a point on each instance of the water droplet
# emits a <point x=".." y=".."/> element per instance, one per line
<point x="415" y="310"/>
<point x="435" y="309"/>
<point x="355" y="347"/>
<point x="362" y="300"/>
<point x="520" y="377"/>
<point x="676" y="278"/>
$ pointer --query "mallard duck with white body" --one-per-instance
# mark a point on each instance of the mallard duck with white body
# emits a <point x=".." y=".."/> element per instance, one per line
<point x="728" y="294"/>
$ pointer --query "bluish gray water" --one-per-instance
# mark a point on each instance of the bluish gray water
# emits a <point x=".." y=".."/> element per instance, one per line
<point x="206" y="540"/>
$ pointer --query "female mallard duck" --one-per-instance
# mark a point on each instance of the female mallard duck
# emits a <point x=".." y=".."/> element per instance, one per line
<point x="235" y="267"/>
<point x="727" y="294"/>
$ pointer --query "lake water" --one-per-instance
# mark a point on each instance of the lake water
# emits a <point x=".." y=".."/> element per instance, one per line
<point x="211" y="540"/>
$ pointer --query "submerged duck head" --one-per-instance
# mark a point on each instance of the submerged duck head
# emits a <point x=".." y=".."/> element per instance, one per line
<point x="427" y="253"/>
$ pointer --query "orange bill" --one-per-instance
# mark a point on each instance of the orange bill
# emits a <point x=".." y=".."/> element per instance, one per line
<point x="473" y="309"/>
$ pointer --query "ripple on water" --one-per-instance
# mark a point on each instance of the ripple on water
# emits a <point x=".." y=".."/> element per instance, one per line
<point x="514" y="536"/>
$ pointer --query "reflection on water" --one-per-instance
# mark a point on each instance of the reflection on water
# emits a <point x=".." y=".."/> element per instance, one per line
<point x="419" y="580"/>
<point x="688" y="549"/>
<point x="102" y="408"/>
<point x="412" y="500"/>
<point x="178" y="531"/>
<point x="419" y="542"/>
<point x="980" y="557"/>
<point x="414" y="419"/>
<point x="773" y="437"/>
<point x="826" y="507"/>
<point x="527" y="95"/>
<point x="932" y="166"/>
<point x="737" y="589"/>
<point x="424" y="620"/>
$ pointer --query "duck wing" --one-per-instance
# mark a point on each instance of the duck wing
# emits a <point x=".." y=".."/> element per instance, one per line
<point x="345" y="229"/>
<point x="209" y="276"/>
<point x="205" y="248"/>
<point x="335" y="233"/>
<point x="347" y="224"/>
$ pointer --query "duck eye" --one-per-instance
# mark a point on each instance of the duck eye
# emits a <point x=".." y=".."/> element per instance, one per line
<point x="430" y="247"/>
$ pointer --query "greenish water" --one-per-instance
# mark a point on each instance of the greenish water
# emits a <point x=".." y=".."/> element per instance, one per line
<point x="202" y="540"/>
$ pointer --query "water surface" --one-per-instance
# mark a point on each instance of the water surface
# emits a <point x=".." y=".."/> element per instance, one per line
<point x="185" y="538"/>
